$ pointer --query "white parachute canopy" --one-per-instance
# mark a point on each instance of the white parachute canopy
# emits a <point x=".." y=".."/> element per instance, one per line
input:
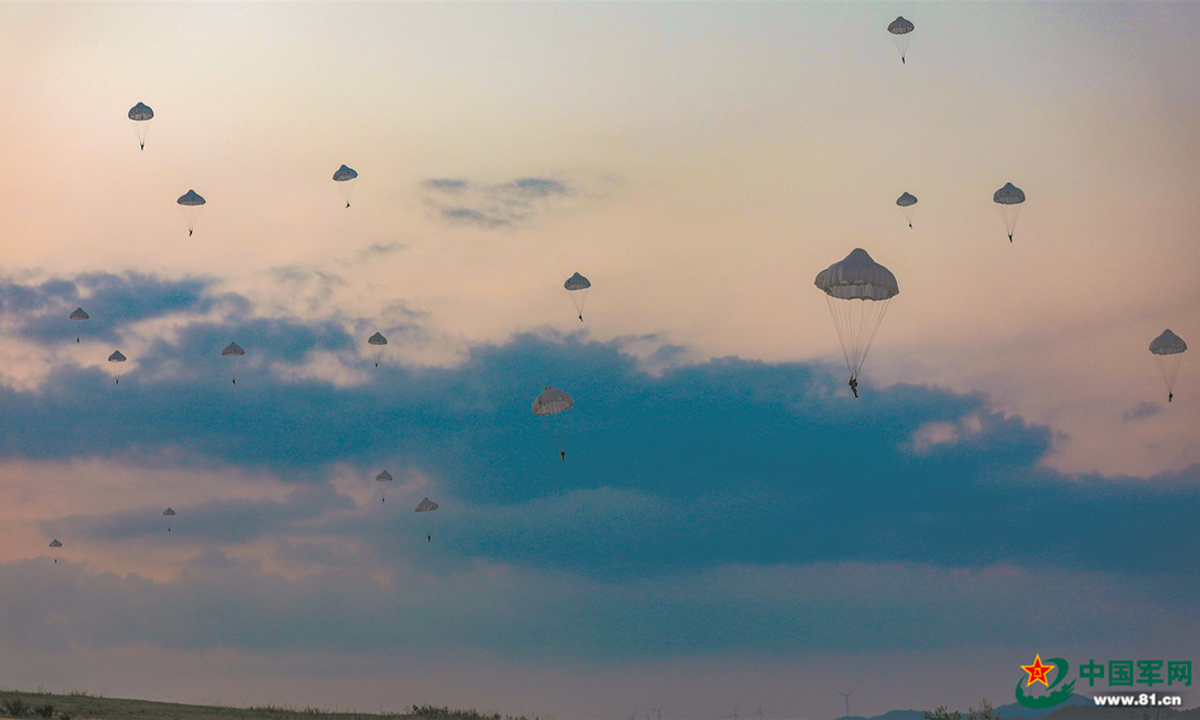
<point x="384" y="476"/>
<point x="378" y="341"/>
<point x="1009" y="198"/>
<point x="141" y="114"/>
<point x="79" y="314"/>
<point x="117" y="357"/>
<point x="577" y="285"/>
<point x="233" y="350"/>
<point x="1168" y="350"/>
<point x="857" y="290"/>
<point x="191" y="203"/>
<point x="344" y="177"/>
<point x="900" y="30"/>
<point x="551" y="402"/>
<point x="908" y="204"/>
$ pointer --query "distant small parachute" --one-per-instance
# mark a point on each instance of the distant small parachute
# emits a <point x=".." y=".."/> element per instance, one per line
<point x="384" y="476"/>
<point x="117" y="357"/>
<point x="1009" y="198"/>
<point x="141" y="114"/>
<point x="1168" y="351"/>
<point x="551" y="402"/>
<point x="900" y="30"/>
<point x="55" y="544"/>
<point x="857" y="290"/>
<point x="191" y="203"/>
<point x="907" y="203"/>
<point x="426" y="505"/>
<point x="79" y="314"/>
<point x="233" y="350"/>
<point x="378" y="341"/>
<point x="344" y="177"/>
<point x="577" y="285"/>
<point x="170" y="514"/>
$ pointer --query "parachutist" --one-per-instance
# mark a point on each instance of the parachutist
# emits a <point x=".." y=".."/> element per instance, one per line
<point x="428" y="538"/>
<point x="910" y="224"/>
<point x="854" y="386"/>
<point x="1010" y="237"/>
<point x="235" y="381"/>
<point x="189" y="233"/>
<point x="581" y="317"/>
<point x="347" y="204"/>
<point x="1170" y="396"/>
<point x="564" y="455"/>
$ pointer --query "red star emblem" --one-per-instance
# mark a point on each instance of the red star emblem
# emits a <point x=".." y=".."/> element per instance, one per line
<point x="1037" y="671"/>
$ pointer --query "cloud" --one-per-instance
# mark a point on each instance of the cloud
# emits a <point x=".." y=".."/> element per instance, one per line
<point x="1141" y="412"/>
<point x="697" y="466"/>
<point x="493" y="206"/>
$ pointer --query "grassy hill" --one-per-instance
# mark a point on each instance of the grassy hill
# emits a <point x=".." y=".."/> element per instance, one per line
<point x="83" y="706"/>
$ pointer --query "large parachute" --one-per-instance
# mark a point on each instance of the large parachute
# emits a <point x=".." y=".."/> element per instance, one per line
<point x="1009" y="198"/>
<point x="233" y="350"/>
<point x="857" y="290"/>
<point x="118" y="358"/>
<point x="55" y="544"/>
<point x="908" y="204"/>
<point x="170" y="515"/>
<point x="377" y="341"/>
<point x="551" y="402"/>
<point x="344" y="177"/>
<point x="577" y="285"/>
<point x="1168" y="350"/>
<point x="426" y="505"/>
<point x="141" y="114"/>
<point x="383" y="477"/>
<point x="79" y="314"/>
<point x="900" y="30"/>
<point x="191" y="203"/>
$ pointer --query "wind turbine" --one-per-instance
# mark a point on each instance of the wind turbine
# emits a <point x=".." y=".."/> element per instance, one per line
<point x="632" y="714"/>
<point x="847" y="696"/>
<point x="758" y="712"/>
<point x="734" y="715"/>
<point x="658" y="710"/>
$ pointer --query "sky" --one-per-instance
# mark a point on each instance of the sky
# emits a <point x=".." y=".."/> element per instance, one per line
<point x="731" y="530"/>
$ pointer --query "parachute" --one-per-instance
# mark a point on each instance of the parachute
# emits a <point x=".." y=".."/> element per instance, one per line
<point x="344" y="177"/>
<point x="79" y="314"/>
<point x="1009" y="198"/>
<point x="384" y="476"/>
<point x="55" y="544"/>
<point x="141" y="115"/>
<point x="1168" y="351"/>
<point x="551" y="402"/>
<point x="426" y="505"/>
<point x="857" y="290"/>
<point x="900" y="29"/>
<point x="378" y="340"/>
<point x="117" y="357"/>
<point x="191" y="204"/>
<point x="169" y="513"/>
<point x="578" y="286"/>
<point x="232" y="350"/>
<point x="907" y="203"/>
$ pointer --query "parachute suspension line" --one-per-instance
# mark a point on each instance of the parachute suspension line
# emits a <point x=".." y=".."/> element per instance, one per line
<point x="1009" y="214"/>
<point x="1168" y="367"/>
<point x="856" y="322"/>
